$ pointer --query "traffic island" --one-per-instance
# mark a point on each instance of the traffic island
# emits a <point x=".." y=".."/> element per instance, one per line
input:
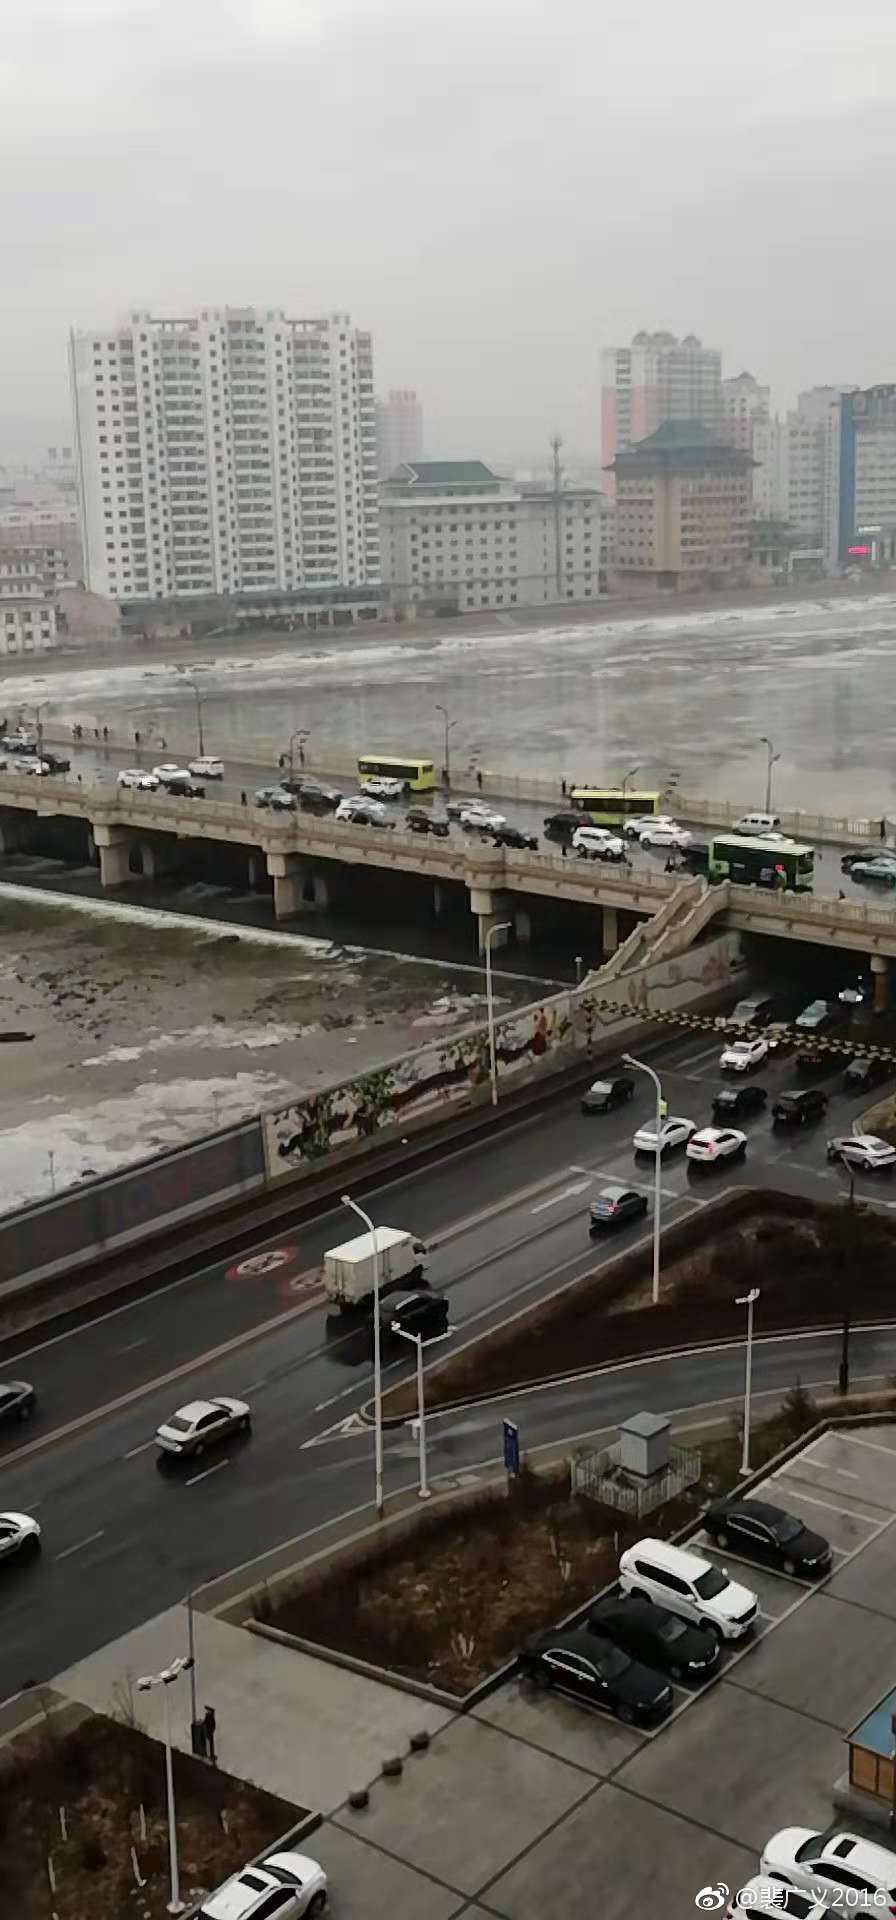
<point x="84" y="1812"/>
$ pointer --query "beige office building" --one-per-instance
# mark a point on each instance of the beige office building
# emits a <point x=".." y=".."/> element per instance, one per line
<point x="683" y="509"/>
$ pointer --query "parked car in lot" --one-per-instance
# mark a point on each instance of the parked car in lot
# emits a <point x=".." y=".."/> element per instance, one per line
<point x="282" y="1886"/>
<point x="866" y="1070"/>
<point x="597" y="843"/>
<point x="800" y="1106"/>
<point x="592" y="1669"/>
<point x="562" y="825"/>
<point x="762" y="1894"/>
<point x="19" y="1535"/>
<point x="136" y="777"/>
<point x="474" y="814"/>
<point x="417" y="1312"/>
<point x="819" y="1015"/>
<point x="768" y="1533"/>
<point x="665" y="833"/>
<point x="656" y="1635"/>
<point x="863" y="1150"/>
<point x="834" y="1867"/>
<point x="511" y="836"/>
<point x="674" y="1132"/>
<point x="17" y="1401"/>
<point x="743" y="1055"/>
<point x="207" y="767"/>
<point x="731" y="1103"/>
<point x="612" y="1092"/>
<point x="691" y="1586"/>
<point x="420" y="820"/>
<point x="710" y="1145"/>
<point x="613" y="1206"/>
<point x="201" y="1424"/>
<point x="881" y="870"/>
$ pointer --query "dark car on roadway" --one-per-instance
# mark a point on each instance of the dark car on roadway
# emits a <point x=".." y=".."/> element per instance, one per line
<point x="613" y="1206"/>
<point x="768" y="1533"/>
<point x="797" y="1108"/>
<point x="314" y="798"/>
<point x="598" y="1673"/>
<point x="695" y="858"/>
<point x="865" y="1071"/>
<point x="182" y="788"/>
<point x="420" y="820"/>
<point x="417" y="1312"/>
<point x="561" y="826"/>
<point x="761" y="1008"/>
<point x="811" y="1064"/>
<point x="17" y="1401"/>
<point x="730" y="1102"/>
<point x="612" y="1092"/>
<point x="57" y="762"/>
<point x="653" y="1634"/>
<point x="819" y="1015"/>
<point x="277" y="799"/>
<point x="850" y="860"/>
<point x="511" y="836"/>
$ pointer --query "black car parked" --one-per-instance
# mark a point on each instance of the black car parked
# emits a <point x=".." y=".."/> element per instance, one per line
<point x="730" y="1102"/>
<point x="797" y="1108"/>
<point x="613" y="1206"/>
<point x="17" y="1400"/>
<point x="866" y="1071"/>
<point x="593" y="1670"/>
<point x="420" y="820"/>
<point x="510" y="836"/>
<point x="651" y="1633"/>
<point x="314" y="798"/>
<point x="768" y="1533"/>
<point x="604" y="1094"/>
<point x="417" y="1312"/>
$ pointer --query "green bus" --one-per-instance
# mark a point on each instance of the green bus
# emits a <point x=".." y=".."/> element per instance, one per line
<point x="762" y="862"/>
<point x="416" y="774"/>
<point x="610" y="807"/>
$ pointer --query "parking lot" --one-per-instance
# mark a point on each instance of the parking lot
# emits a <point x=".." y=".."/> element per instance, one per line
<point x="532" y="1805"/>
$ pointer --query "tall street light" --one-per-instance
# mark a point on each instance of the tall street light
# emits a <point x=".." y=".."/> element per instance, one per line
<point x="747" y="1300"/>
<point x="627" y="777"/>
<point x="301" y="734"/>
<point x="491" y="935"/>
<point x="377" y="1355"/>
<point x="199" y="730"/>
<point x="449" y="728"/>
<point x="629" y="1061"/>
<point x="165" y="1679"/>
<point x="771" y="760"/>
<point x="420" y="1343"/>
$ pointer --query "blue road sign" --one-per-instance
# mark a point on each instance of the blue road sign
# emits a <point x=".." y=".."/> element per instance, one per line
<point x="511" y="1447"/>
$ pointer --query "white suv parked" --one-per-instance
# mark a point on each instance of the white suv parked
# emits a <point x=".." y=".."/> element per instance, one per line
<point x="838" y="1869"/>
<point x="689" y="1585"/>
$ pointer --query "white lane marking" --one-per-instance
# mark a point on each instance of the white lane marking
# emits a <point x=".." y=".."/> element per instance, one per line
<point x="565" y="1193"/>
<point x="194" y="1481"/>
<point x="80" y="1545"/>
<point x="133" y="1345"/>
<point x="696" y="1059"/>
<point x="254" y="1386"/>
<point x="858" y="1440"/>
<point x="812" y="1499"/>
<point x="143" y="1448"/>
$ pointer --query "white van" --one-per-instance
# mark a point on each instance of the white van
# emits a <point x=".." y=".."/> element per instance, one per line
<point x="757" y="823"/>
<point x="597" y="843"/>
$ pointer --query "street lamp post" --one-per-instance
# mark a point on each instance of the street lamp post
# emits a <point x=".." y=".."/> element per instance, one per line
<point x="490" y="1007"/>
<point x="629" y="1061"/>
<point x="39" y="727"/>
<point x="420" y="1343"/>
<point x="747" y="1300"/>
<point x="449" y="728"/>
<point x="199" y="728"/>
<point x="377" y="1356"/>
<point x="165" y="1679"/>
<point x="843" y="1369"/>
<point x="301" y="734"/>
<point x="627" y="777"/>
<point x="771" y="760"/>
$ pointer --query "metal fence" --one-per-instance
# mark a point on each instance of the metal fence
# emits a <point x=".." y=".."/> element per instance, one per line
<point x="597" y="1474"/>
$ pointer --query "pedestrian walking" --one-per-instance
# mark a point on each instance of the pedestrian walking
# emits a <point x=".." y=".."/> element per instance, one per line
<point x="563" y="788"/>
<point x="479" y="778"/>
<point x="302" y="754"/>
<point x="243" y="801"/>
<point x="563" y="849"/>
<point x="883" y="828"/>
<point x="136" y="736"/>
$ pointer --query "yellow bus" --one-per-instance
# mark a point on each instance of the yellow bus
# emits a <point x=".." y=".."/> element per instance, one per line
<point x="417" y="775"/>
<point x="610" y="807"/>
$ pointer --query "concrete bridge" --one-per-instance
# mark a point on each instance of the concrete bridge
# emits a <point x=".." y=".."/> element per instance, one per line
<point x="299" y="853"/>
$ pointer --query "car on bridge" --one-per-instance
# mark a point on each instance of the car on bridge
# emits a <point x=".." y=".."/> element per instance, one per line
<point x="33" y="765"/>
<point x="710" y="1145"/>
<point x="168" y="769"/>
<point x="382" y="786"/>
<point x="207" y="767"/>
<point x="312" y="795"/>
<point x="743" y="1055"/>
<point x="613" y="1206"/>
<point x="475" y="815"/>
<point x="857" y="855"/>
<point x="511" y="836"/>
<point x="674" y="1132"/>
<point x="639" y="823"/>
<point x="138" y="777"/>
<point x="276" y="798"/>
<point x="665" y="833"/>
<point x="881" y="870"/>
<point x="363" y="813"/>
<point x="597" y="843"/>
<point x="865" y="1150"/>
<point x="420" y="820"/>
<point x="595" y="1671"/>
<point x="562" y="825"/>
<point x="866" y="1070"/>
<point x="730" y="1102"/>
<point x="201" y="1424"/>
<point x="612" y="1092"/>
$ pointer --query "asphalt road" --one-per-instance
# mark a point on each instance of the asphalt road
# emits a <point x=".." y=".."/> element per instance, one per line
<point x="506" y="1223"/>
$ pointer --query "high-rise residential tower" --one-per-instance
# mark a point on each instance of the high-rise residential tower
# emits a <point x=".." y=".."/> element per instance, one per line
<point x="399" y="430"/>
<point x="657" y="378"/>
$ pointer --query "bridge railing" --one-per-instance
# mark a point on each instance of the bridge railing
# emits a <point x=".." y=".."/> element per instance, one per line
<point x="814" y="906"/>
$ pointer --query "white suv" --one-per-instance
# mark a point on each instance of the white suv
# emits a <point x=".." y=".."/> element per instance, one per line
<point x="689" y="1585"/>
<point x="839" y="1868"/>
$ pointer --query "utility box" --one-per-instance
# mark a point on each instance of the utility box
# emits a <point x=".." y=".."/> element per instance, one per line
<point x="644" y="1445"/>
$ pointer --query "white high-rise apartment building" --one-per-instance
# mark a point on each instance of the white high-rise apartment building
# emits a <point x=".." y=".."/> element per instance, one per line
<point x="399" y="430"/>
<point x="657" y="378"/>
<point x="230" y="452"/>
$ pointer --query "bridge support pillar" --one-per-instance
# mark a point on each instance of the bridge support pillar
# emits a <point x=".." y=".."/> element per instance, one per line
<point x="296" y="885"/>
<point x="522" y="927"/>
<point x="256" y="871"/>
<point x="880" y="973"/>
<point x="113" y="844"/>
<point x="148" y="860"/>
<point x="10" y="832"/>
<point x="609" y="930"/>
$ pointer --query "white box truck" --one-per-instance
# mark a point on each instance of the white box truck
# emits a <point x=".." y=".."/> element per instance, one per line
<point x="348" y="1270"/>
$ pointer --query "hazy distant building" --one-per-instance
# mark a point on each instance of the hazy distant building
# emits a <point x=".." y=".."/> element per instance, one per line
<point x="804" y="462"/>
<point x="232" y="452"/>
<point x="456" y="536"/>
<point x="860" y="475"/>
<point x="399" y="430"/>
<point x="657" y="378"/>
<point x="28" y="582"/>
<point x="683" y="508"/>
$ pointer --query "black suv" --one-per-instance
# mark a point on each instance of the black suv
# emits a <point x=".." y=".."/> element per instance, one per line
<point x="420" y="820"/>
<point x="795" y="1109"/>
<point x="730" y="1102"/>
<point x="562" y="826"/>
<point x="419" y="1312"/>
<point x="514" y="837"/>
<point x="866" y="1071"/>
<point x="608" y="1093"/>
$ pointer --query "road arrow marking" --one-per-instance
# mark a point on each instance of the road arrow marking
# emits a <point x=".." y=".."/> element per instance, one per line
<point x="565" y="1194"/>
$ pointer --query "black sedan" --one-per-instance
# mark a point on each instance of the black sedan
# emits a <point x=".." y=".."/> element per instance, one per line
<point x="561" y="826"/>
<point x="648" y="1632"/>
<point x="866" y="1071"/>
<point x="768" y="1533"/>
<point x="613" y="1206"/>
<point x="418" y="1312"/>
<point x="17" y="1401"/>
<point x="604" y="1094"/>
<point x="859" y="854"/>
<point x="594" y="1671"/>
<point x="515" y="837"/>
<point x="730" y="1102"/>
<point x="57" y="762"/>
<point x="420" y="820"/>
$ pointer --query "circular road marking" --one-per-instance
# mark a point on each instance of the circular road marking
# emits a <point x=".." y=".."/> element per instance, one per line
<point x="261" y="1263"/>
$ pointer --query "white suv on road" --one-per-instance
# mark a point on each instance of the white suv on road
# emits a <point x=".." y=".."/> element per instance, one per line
<point x="687" y="1584"/>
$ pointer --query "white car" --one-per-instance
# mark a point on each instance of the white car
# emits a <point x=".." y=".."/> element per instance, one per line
<point x="18" y="1534"/>
<point x="665" y="833"/>
<point x="33" y="765"/>
<point x="169" y="770"/>
<point x="207" y="767"/>
<point x="759" y="826"/>
<point x="742" y="1055"/>
<point x="202" y="1422"/>
<point x="598" y="843"/>
<point x="691" y="1586"/>
<point x="643" y="822"/>
<point x="862" y="1150"/>
<point x="767" y="1896"/>
<point x="288" y="1885"/>
<point x="838" y="1868"/>
<point x="476" y="815"/>
<point x="711" y="1144"/>
<point x="364" y="812"/>
<point x="135" y="777"/>
<point x="674" y="1132"/>
<point x="381" y="786"/>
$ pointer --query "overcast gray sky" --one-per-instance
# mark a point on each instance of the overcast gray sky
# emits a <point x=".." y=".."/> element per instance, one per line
<point x="496" y="187"/>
